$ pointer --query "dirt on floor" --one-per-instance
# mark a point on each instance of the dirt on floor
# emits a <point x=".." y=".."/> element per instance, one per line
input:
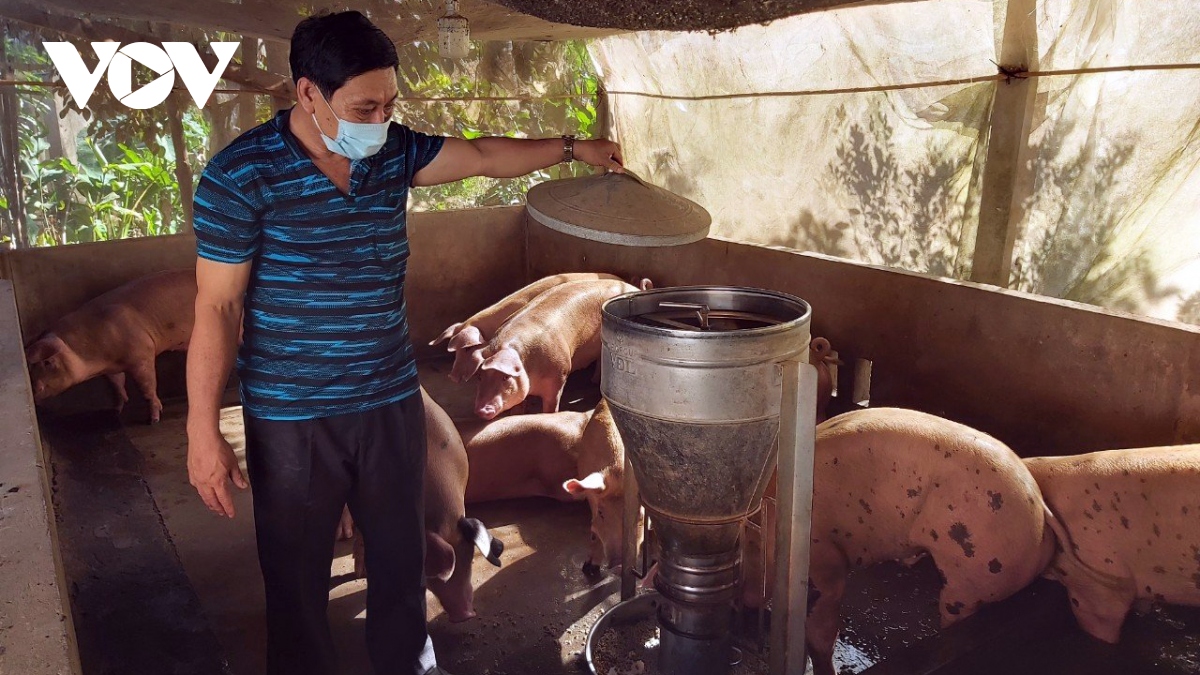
<point x="160" y="585"/>
<point x="534" y="611"/>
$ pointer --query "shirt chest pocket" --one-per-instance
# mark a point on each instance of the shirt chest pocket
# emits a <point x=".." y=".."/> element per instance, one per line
<point x="389" y="231"/>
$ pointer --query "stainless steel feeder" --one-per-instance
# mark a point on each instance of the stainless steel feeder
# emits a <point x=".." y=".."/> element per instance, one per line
<point x="695" y="379"/>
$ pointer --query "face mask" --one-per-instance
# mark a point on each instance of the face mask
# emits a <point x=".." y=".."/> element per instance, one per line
<point x="356" y="140"/>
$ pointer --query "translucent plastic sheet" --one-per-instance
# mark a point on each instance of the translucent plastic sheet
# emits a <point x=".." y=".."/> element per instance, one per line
<point x="1111" y="199"/>
<point x="863" y="133"/>
<point x="888" y="176"/>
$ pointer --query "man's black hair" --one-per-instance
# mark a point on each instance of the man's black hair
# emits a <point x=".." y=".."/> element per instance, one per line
<point x="329" y="49"/>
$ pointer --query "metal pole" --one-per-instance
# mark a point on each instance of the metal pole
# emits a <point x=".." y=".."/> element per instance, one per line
<point x="793" y="522"/>
<point x="629" y="532"/>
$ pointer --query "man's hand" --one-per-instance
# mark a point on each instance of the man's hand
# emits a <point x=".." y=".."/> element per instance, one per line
<point x="211" y="466"/>
<point x="600" y="152"/>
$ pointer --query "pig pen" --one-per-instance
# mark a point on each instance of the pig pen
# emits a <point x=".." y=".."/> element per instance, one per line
<point x="153" y="583"/>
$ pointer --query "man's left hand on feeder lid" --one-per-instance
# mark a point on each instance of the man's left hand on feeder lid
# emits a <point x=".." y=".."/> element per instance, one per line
<point x="600" y="152"/>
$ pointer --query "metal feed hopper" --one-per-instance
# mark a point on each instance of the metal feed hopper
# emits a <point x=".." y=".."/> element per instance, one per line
<point x="695" y="379"/>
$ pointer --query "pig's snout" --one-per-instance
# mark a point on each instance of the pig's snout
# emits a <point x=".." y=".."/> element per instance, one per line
<point x="603" y="557"/>
<point x="42" y="390"/>
<point x="489" y="408"/>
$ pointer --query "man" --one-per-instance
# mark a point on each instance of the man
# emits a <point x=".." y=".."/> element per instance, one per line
<point x="300" y="222"/>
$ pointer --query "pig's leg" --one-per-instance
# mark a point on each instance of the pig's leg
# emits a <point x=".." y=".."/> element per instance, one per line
<point x="1100" y="610"/>
<point x="146" y="379"/>
<point x="551" y="402"/>
<point x="827" y="583"/>
<point x="455" y="593"/>
<point x="346" y="525"/>
<point x="118" y="383"/>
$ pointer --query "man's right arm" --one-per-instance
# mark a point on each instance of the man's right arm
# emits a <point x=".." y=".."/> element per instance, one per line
<point x="221" y="288"/>
<point x="227" y="226"/>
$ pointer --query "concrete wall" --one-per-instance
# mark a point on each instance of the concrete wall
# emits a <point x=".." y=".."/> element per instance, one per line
<point x="37" y="635"/>
<point x="1045" y="376"/>
<point x="461" y="262"/>
<point x="50" y="282"/>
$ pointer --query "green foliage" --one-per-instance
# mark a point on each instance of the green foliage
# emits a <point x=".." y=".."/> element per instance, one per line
<point x="551" y="89"/>
<point x="121" y="181"/>
<point x="118" y="186"/>
<point x="131" y="193"/>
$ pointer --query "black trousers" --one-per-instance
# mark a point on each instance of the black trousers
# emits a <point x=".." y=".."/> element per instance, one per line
<point x="301" y="474"/>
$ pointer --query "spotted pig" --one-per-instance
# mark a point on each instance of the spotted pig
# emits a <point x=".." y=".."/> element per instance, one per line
<point x="894" y="484"/>
<point x="1132" y="533"/>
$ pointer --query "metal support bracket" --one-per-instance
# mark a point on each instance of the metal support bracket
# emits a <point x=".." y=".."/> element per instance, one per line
<point x="793" y="522"/>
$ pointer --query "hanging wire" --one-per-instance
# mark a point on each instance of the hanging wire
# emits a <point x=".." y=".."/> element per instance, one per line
<point x="1005" y="73"/>
<point x="265" y="92"/>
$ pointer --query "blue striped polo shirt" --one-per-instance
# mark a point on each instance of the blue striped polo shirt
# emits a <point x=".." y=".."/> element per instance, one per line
<point x="325" y="328"/>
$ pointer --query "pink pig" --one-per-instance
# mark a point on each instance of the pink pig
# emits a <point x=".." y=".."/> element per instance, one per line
<point x="823" y="358"/>
<point x="118" y="333"/>
<point x="468" y="337"/>
<point x="450" y="536"/>
<point x="895" y="484"/>
<point x="1131" y="518"/>
<point x="534" y="352"/>
<point x="564" y="456"/>
<point x="522" y="455"/>
<point x="600" y="460"/>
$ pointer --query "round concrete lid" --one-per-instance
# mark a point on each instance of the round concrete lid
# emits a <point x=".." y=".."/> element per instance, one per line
<point x="617" y="208"/>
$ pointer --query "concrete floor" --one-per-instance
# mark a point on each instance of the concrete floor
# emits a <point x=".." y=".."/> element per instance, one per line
<point x="534" y="611"/>
<point x="160" y="585"/>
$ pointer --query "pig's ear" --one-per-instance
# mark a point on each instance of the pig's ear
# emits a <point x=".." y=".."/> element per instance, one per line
<point x="506" y="361"/>
<point x="446" y="335"/>
<point x="44" y="348"/>
<point x="465" y="339"/>
<point x="466" y="364"/>
<point x="593" y="482"/>
<point x="439" y="557"/>
<point x="489" y="546"/>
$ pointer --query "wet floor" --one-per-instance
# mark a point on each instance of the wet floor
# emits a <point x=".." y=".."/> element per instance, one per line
<point x="159" y="585"/>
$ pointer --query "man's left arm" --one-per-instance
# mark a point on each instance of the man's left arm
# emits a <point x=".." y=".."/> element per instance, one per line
<point x="497" y="157"/>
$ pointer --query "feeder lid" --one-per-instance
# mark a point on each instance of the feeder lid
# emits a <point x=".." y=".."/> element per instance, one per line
<point x="618" y="208"/>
